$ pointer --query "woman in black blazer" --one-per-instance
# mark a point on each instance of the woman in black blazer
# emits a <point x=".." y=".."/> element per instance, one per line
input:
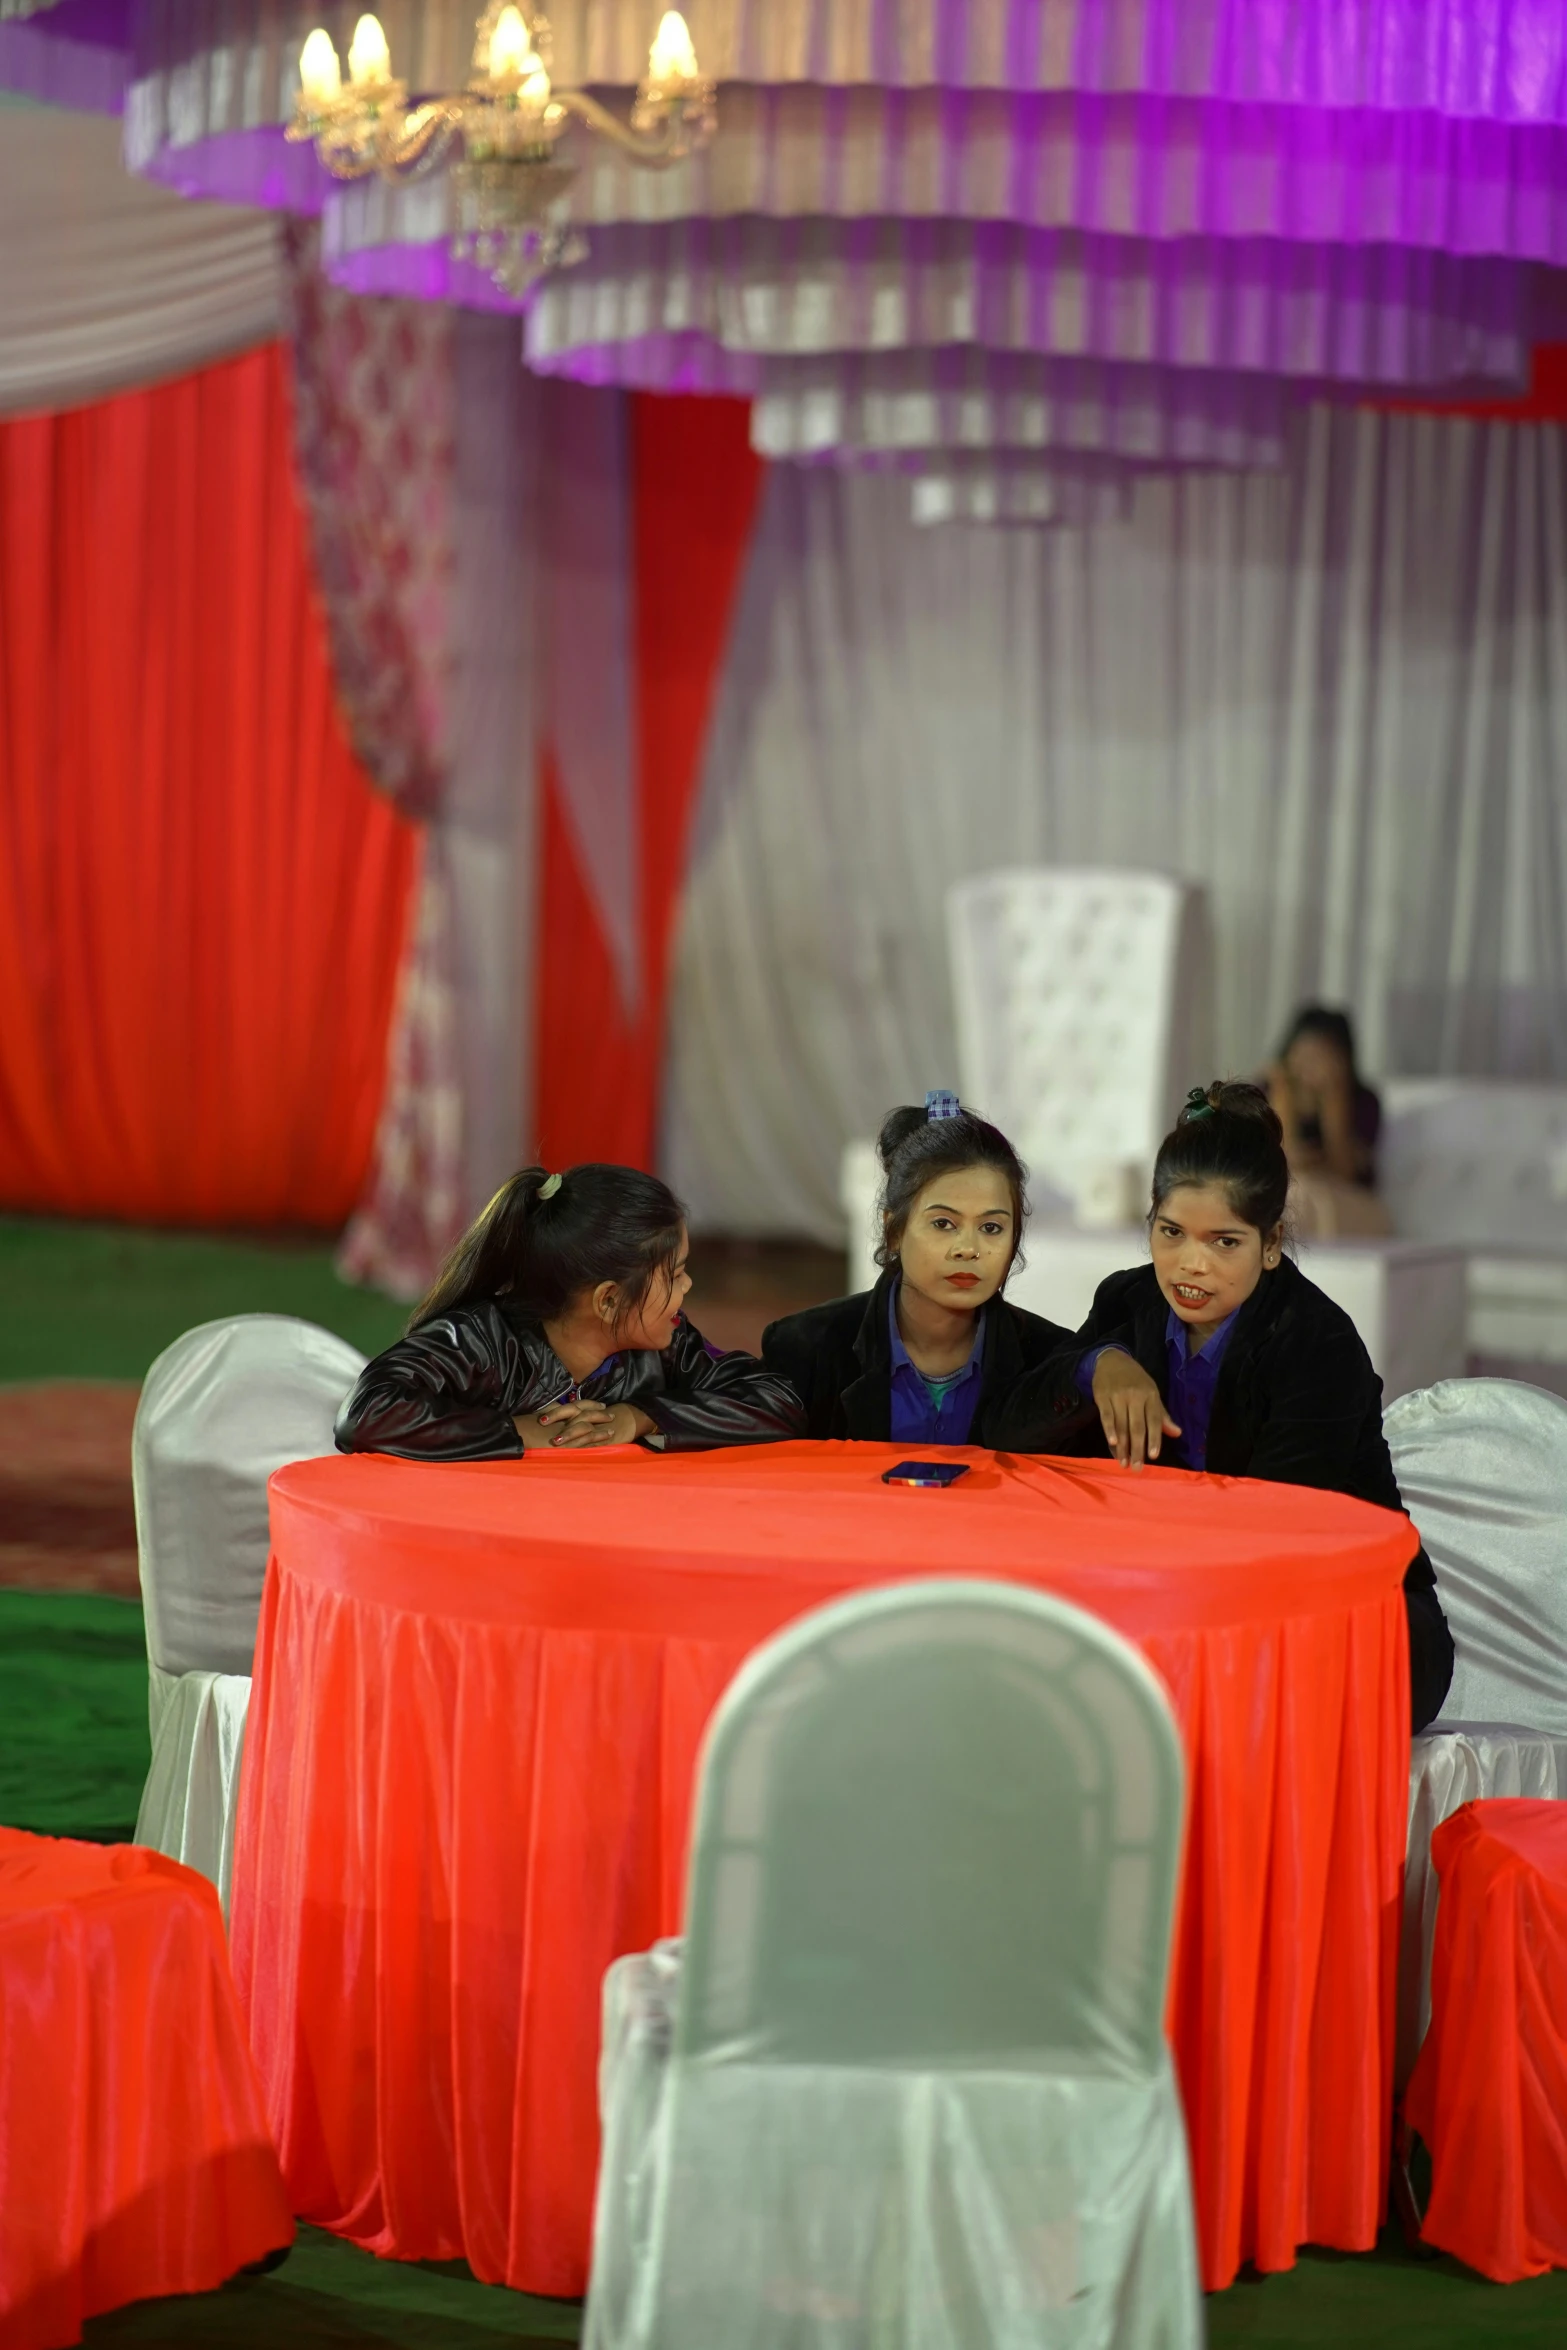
<point x="1221" y="1355"/>
<point x="932" y="1353"/>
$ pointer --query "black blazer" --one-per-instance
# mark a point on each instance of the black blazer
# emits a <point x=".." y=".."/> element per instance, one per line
<point x="838" y="1360"/>
<point x="451" y="1390"/>
<point x="1296" y="1402"/>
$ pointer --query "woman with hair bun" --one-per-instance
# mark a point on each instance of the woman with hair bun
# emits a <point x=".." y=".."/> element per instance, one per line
<point x="931" y="1353"/>
<point x="1221" y="1355"/>
<point x="558" y="1320"/>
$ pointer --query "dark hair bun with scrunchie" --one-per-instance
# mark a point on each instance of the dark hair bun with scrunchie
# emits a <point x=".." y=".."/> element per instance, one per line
<point x="899" y="1128"/>
<point x="1227" y="1133"/>
<point x="915" y="1146"/>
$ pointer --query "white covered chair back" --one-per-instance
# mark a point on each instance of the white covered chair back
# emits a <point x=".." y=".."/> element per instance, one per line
<point x="907" y="2080"/>
<point x="220" y="1410"/>
<point x="936" y="1823"/>
<point x="1482" y="1467"/>
<point x="1081" y="999"/>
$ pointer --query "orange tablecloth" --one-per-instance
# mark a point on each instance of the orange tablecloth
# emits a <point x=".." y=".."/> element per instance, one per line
<point x="478" y="1700"/>
<point x="134" y="2159"/>
<point x="1489" y="2094"/>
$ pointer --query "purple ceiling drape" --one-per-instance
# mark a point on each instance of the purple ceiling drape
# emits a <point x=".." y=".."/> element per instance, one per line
<point x="1160" y="193"/>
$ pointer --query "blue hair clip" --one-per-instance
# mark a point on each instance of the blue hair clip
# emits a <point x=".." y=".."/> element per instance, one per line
<point x="943" y="1105"/>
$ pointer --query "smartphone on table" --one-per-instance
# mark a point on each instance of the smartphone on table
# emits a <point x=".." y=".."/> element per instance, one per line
<point x="925" y="1473"/>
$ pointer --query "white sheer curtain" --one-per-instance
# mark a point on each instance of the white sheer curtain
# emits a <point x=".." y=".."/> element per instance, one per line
<point x="106" y="281"/>
<point x="1336" y="696"/>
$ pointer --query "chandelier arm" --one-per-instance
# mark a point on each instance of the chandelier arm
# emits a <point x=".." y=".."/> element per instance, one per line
<point x="669" y="144"/>
<point x="424" y="140"/>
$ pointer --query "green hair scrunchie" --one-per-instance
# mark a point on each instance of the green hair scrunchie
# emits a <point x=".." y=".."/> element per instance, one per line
<point x="1197" y="1105"/>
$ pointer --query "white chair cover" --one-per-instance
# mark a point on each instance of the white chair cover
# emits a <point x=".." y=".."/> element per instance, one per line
<point x="1482" y="1466"/>
<point x="905" y="2082"/>
<point x="220" y="1410"/>
<point x="1081" y="1002"/>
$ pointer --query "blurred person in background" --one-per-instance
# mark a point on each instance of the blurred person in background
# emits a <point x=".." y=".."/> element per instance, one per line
<point x="1331" y="1120"/>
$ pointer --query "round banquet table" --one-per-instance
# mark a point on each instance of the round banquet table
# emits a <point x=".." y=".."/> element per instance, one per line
<point x="479" y="1695"/>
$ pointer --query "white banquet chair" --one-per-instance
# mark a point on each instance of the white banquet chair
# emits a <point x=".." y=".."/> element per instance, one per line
<point x="905" y="2080"/>
<point x="220" y="1409"/>
<point x="1482" y="1467"/>
<point x="1081" y="1002"/>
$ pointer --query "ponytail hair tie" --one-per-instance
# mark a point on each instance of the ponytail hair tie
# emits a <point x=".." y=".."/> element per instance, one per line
<point x="1197" y="1105"/>
<point x="943" y="1105"/>
<point x="550" y="1185"/>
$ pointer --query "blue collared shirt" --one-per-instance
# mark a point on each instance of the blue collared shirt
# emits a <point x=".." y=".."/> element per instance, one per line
<point x="928" y="1411"/>
<point x="1193" y="1379"/>
<point x="1189" y="1393"/>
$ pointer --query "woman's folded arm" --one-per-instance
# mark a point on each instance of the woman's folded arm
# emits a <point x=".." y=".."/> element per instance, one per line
<point x="437" y="1395"/>
<point x="710" y="1398"/>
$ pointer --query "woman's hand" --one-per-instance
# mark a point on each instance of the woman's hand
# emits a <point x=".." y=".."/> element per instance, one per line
<point x="1131" y="1408"/>
<point x="582" y="1423"/>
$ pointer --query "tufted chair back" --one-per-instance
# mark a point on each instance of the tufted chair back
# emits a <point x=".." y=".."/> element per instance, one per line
<point x="1082" y="1016"/>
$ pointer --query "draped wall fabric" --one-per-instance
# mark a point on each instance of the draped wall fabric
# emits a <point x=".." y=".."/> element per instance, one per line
<point x="459" y="1079"/>
<point x="374" y="437"/>
<point x="693" y="483"/>
<point x="375" y="432"/>
<point x="107" y="281"/>
<point x="1334" y="696"/>
<point x="201" y="902"/>
<point x="588" y="520"/>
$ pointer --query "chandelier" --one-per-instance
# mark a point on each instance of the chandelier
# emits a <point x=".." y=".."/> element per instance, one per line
<point x="509" y="192"/>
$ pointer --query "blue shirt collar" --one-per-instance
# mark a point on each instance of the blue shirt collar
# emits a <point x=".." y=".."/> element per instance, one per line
<point x="1175" y="1334"/>
<point x="902" y="1360"/>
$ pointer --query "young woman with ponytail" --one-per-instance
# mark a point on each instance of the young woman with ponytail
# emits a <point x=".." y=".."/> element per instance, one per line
<point x="558" y="1320"/>
<point x="1220" y="1354"/>
<point x="930" y="1354"/>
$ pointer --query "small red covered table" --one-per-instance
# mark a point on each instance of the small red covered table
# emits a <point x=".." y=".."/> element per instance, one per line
<point x="1489" y="2093"/>
<point x="478" y="1701"/>
<point x="134" y="2156"/>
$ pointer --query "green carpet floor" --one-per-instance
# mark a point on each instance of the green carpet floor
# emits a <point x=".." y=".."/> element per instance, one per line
<point x="97" y="1302"/>
<point x="73" y="1714"/>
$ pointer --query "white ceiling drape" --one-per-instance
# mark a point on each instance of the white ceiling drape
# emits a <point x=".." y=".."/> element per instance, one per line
<point x="1334" y="695"/>
<point x="107" y="281"/>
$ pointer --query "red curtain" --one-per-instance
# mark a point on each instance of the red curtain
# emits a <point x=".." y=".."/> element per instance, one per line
<point x="694" y="488"/>
<point x="201" y="901"/>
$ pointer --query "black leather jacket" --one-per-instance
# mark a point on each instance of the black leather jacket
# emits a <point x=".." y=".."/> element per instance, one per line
<point x="450" y="1391"/>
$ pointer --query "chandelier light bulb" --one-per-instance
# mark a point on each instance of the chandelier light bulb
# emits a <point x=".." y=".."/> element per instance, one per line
<point x="369" y="58"/>
<point x="511" y="46"/>
<point x="672" y="58"/>
<point x="536" y="85"/>
<point x="320" y="75"/>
